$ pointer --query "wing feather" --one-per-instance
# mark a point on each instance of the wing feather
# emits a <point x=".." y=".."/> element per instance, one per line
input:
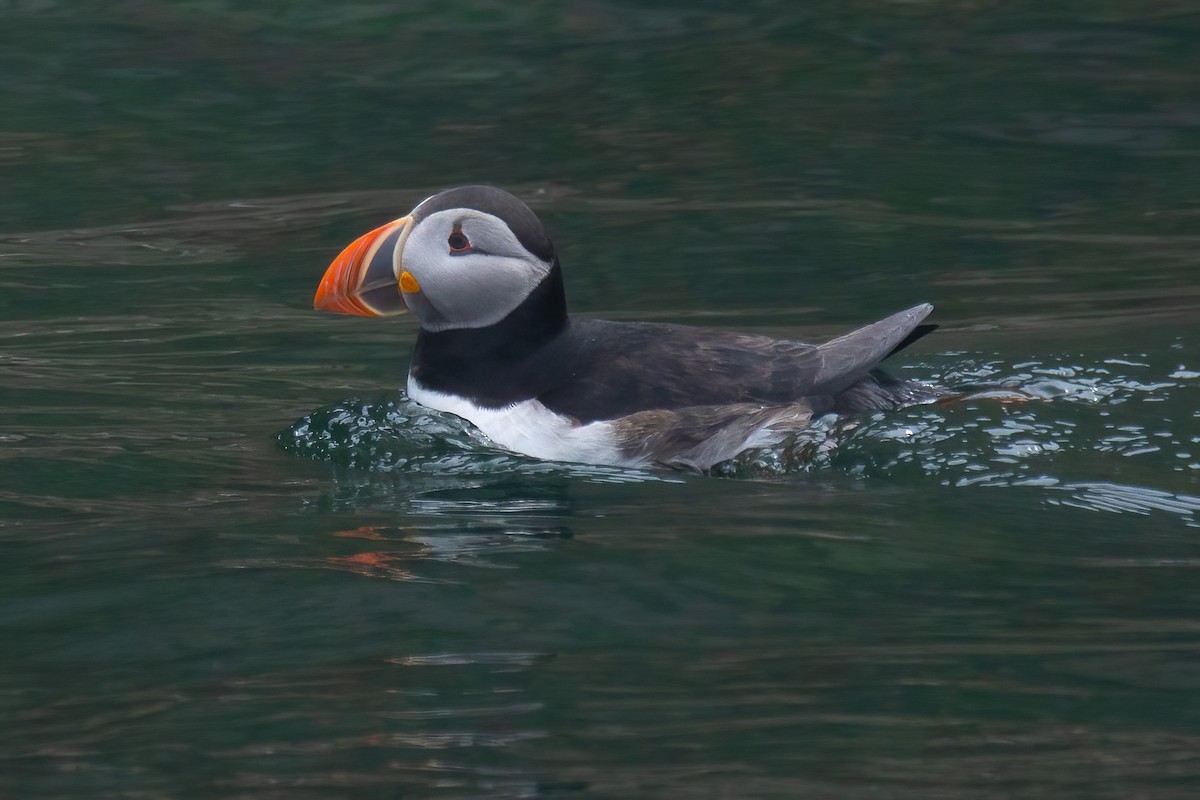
<point x="696" y="438"/>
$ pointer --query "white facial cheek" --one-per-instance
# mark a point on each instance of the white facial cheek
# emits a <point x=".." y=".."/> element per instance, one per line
<point x="421" y="256"/>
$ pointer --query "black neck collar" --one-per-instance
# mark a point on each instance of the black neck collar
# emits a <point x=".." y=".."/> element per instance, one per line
<point x="500" y="363"/>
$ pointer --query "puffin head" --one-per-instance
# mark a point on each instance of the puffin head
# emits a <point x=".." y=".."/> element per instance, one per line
<point x="463" y="258"/>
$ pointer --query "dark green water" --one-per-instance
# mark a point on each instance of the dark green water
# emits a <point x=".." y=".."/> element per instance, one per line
<point x="238" y="562"/>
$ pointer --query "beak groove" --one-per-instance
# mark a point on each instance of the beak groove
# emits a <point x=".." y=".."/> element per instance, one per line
<point x="362" y="280"/>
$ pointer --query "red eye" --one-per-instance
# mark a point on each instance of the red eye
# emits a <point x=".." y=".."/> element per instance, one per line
<point x="458" y="242"/>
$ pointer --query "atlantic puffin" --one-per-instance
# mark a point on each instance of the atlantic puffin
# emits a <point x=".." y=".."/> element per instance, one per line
<point x="497" y="347"/>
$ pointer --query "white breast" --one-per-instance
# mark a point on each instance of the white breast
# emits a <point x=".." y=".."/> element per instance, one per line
<point x="530" y="428"/>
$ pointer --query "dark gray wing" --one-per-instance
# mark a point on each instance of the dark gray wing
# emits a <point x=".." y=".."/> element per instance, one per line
<point x="620" y="369"/>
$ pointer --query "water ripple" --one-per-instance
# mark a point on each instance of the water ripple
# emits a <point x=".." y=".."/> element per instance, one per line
<point x="1069" y="426"/>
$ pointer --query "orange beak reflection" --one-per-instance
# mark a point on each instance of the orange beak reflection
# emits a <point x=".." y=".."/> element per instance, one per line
<point x="362" y="279"/>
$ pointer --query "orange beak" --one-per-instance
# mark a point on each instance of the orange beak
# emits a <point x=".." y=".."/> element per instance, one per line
<point x="362" y="280"/>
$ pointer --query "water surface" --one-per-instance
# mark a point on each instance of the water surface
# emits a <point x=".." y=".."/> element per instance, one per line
<point x="240" y="563"/>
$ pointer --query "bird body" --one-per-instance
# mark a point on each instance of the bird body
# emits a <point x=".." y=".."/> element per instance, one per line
<point x="497" y="347"/>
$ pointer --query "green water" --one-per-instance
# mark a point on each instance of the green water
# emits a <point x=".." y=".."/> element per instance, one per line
<point x="238" y="562"/>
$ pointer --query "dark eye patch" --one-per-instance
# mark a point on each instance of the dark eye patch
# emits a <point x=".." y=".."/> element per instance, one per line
<point x="458" y="242"/>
